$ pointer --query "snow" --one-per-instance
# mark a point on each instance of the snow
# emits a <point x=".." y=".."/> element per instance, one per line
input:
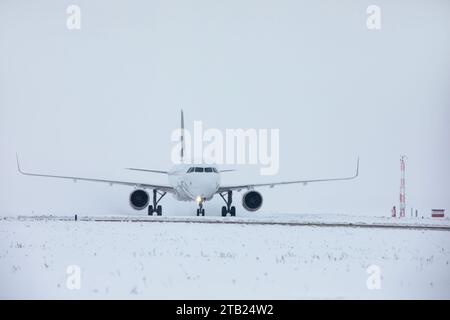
<point x="136" y="260"/>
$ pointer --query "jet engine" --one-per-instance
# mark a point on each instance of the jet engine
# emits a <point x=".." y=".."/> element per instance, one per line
<point x="252" y="200"/>
<point x="139" y="199"/>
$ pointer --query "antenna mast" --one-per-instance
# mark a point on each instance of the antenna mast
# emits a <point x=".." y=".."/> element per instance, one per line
<point x="402" y="187"/>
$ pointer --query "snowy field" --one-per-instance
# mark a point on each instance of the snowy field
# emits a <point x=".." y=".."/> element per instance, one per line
<point x="190" y="261"/>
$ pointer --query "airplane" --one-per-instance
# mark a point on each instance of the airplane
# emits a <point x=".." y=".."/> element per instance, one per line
<point x="190" y="182"/>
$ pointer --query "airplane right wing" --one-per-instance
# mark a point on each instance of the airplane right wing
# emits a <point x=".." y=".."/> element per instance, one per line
<point x="272" y="184"/>
<point x="147" y="170"/>
<point x="165" y="188"/>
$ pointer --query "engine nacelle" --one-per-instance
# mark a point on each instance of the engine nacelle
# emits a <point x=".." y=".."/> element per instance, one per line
<point x="139" y="199"/>
<point x="252" y="200"/>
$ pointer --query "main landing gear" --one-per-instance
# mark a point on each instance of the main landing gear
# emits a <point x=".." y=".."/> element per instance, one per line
<point x="157" y="196"/>
<point x="228" y="209"/>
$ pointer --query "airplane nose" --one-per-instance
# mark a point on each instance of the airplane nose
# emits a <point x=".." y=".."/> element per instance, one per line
<point x="202" y="192"/>
<point x="203" y="187"/>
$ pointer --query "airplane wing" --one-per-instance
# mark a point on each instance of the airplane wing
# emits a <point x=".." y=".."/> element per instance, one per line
<point x="165" y="188"/>
<point x="147" y="170"/>
<point x="272" y="184"/>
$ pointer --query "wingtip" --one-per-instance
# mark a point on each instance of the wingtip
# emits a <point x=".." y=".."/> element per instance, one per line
<point x="18" y="164"/>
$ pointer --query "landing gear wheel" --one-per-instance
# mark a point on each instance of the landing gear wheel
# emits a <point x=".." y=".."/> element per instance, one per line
<point x="228" y="209"/>
<point x="155" y="207"/>
<point x="224" y="211"/>
<point x="200" y="210"/>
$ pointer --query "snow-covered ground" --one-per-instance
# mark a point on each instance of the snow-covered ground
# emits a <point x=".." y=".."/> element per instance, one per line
<point x="191" y="260"/>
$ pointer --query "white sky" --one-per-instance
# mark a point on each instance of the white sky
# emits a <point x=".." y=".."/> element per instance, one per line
<point x="95" y="101"/>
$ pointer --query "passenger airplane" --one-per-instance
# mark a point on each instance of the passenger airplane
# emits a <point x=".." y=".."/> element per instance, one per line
<point x="190" y="183"/>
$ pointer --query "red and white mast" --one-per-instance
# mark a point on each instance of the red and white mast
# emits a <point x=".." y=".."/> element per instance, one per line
<point x="402" y="187"/>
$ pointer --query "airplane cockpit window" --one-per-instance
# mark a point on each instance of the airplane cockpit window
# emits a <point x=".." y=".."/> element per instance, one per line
<point x="202" y="169"/>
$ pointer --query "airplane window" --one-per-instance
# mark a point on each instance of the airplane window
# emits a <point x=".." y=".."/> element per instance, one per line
<point x="215" y="170"/>
<point x="198" y="169"/>
<point x="208" y="169"/>
<point x="190" y="170"/>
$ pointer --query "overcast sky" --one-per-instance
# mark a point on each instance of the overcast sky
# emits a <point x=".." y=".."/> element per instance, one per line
<point x="91" y="102"/>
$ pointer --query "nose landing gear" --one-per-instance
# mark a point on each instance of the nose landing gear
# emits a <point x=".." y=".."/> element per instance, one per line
<point x="228" y="209"/>
<point x="200" y="210"/>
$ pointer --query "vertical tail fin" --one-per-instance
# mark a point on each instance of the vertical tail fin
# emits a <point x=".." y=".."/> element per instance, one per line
<point x="182" y="137"/>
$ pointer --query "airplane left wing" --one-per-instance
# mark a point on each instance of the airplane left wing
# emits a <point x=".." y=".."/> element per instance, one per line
<point x="272" y="184"/>
<point x="165" y="188"/>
